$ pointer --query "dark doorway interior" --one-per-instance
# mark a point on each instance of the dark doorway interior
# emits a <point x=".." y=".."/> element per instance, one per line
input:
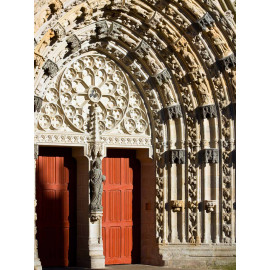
<point x="56" y="206"/>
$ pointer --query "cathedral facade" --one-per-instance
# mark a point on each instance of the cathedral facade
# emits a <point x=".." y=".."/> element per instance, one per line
<point x="135" y="104"/>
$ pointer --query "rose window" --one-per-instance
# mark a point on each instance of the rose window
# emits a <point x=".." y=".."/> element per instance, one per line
<point x="94" y="80"/>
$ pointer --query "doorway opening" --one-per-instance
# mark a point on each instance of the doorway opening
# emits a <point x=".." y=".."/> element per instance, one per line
<point x="121" y="200"/>
<point x="56" y="206"/>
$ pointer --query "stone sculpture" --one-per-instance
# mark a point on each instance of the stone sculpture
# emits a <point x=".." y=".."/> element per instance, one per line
<point x="96" y="187"/>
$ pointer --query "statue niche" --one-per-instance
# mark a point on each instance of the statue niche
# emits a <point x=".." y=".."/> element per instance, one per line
<point x="96" y="186"/>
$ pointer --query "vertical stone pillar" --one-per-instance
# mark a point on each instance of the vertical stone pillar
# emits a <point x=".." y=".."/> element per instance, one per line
<point x="37" y="263"/>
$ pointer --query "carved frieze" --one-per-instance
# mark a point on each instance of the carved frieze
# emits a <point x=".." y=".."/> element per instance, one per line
<point x="50" y="68"/>
<point x="207" y="111"/>
<point x="176" y="156"/>
<point x="205" y="22"/>
<point x="210" y="155"/>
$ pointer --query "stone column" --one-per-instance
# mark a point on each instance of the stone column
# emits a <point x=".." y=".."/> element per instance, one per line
<point x="37" y="263"/>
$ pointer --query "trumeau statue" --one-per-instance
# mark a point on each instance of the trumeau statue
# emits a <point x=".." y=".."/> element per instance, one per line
<point x="96" y="186"/>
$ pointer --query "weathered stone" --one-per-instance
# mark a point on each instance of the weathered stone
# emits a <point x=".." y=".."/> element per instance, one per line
<point x="176" y="156"/>
<point x="207" y="111"/>
<point x="171" y="112"/>
<point x="210" y="155"/>
<point x="50" y="68"/>
<point x="73" y="43"/>
<point x="205" y="22"/>
<point x="227" y="62"/>
<point x="37" y="103"/>
<point x="142" y="49"/>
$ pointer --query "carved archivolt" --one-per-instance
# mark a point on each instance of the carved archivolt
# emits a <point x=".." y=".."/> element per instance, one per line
<point x="133" y="59"/>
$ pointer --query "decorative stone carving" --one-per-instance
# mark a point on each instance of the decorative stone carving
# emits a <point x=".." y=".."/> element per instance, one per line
<point x="193" y="7"/>
<point x="96" y="186"/>
<point x="37" y="103"/>
<point x="205" y="22"/>
<point x="73" y="43"/>
<point x="38" y="60"/>
<point x="121" y="5"/>
<point x="168" y="96"/>
<point x="208" y="111"/>
<point x="161" y="78"/>
<point x="172" y="112"/>
<point x="142" y="49"/>
<point x="95" y="216"/>
<point x="220" y="43"/>
<point x="227" y="63"/>
<point x="176" y="156"/>
<point x="177" y="205"/>
<point x="209" y="205"/>
<point x="50" y="68"/>
<point x="59" y="30"/>
<point x="102" y="29"/>
<point x="210" y="155"/>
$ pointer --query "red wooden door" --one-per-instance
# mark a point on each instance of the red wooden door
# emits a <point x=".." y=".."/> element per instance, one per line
<point x="121" y="207"/>
<point x="55" y="209"/>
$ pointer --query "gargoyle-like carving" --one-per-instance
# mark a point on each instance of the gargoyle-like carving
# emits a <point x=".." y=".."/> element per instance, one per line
<point x="205" y="22"/>
<point x="96" y="186"/>
<point x="209" y="205"/>
<point x="176" y="156"/>
<point x="50" y="68"/>
<point x="176" y="205"/>
<point x="210" y="155"/>
<point x="37" y="103"/>
<point x="208" y="111"/>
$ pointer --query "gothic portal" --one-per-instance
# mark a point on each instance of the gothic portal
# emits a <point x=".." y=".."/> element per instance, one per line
<point x="135" y="132"/>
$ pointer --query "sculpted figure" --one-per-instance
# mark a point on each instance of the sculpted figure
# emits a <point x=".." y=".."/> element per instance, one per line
<point x="152" y="63"/>
<point x="193" y="8"/>
<point x="220" y="44"/>
<point x="190" y="60"/>
<point x="140" y="10"/>
<point x="96" y="179"/>
<point x="168" y="95"/>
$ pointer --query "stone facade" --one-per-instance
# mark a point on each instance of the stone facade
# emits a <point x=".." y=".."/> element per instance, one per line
<point x="156" y="76"/>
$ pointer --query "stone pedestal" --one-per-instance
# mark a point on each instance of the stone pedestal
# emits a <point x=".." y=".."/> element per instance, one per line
<point x="97" y="259"/>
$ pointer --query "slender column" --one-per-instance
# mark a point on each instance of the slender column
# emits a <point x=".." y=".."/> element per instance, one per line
<point x="37" y="263"/>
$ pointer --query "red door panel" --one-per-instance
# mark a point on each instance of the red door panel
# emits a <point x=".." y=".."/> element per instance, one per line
<point x="122" y="185"/>
<point x="55" y="177"/>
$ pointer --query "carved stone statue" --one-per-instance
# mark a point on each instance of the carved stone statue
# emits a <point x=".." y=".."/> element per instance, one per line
<point x="96" y="187"/>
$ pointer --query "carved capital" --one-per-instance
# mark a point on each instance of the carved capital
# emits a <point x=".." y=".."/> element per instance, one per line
<point x="95" y="216"/>
<point x="176" y="156"/>
<point x="227" y="63"/>
<point x="176" y="205"/>
<point x="50" y="68"/>
<point x="207" y="111"/>
<point x="209" y="205"/>
<point x="172" y="112"/>
<point x="37" y="103"/>
<point x="205" y="22"/>
<point x="210" y="155"/>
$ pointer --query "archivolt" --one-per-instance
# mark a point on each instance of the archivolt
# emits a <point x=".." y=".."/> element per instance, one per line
<point x="178" y="53"/>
